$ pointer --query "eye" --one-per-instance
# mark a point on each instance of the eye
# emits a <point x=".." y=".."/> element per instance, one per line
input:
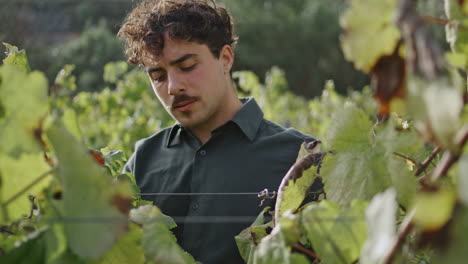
<point x="188" y="68"/>
<point x="157" y="76"/>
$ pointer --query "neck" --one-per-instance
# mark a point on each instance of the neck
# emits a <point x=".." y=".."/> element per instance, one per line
<point x="228" y="110"/>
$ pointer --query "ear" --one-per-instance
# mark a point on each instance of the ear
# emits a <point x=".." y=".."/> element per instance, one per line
<point x="226" y="56"/>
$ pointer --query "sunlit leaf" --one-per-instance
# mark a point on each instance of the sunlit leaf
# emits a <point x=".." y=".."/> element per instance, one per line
<point x="16" y="57"/>
<point x="433" y="209"/>
<point x="365" y="165"/>
<point x="273" y="248"/>
<point x="56" y="243"/>
<point x="408" y="143"/>
<point x="336" y="234"/>
<point x="250" y="237"/>
<point x="444" y="105"/>
<point x="16" y="175"/>
<point x="127" y="250"/>
<point x="295" y="192"/>
<point x="65" y="81"/>
<point x="70" y="120"/>
<point x="369" y="32"/>
<point x="24" y="100"/>
<point x="31" y="251"/>
<point x="158" y="241"/>
<point x="297" y="258"/>
<point x="355" y="171"/>
<point x="381" y="228"/>
<point x="114" y="70"/>
<point x="88" y="193"/>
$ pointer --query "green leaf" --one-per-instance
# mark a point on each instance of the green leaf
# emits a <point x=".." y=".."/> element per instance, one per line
<point x="16" y="57"/>
<point x="444" y="105"/>
<point x="65" y="80"/>
<point x="248" y="239"/>
<point x="364" y="164"/>
<point x="297" y="258"/>
<point x="401" y="173"/>
<point x="30" y="251"/>
<point x="159" y="243"/>
<point x="432" y="210"/>
<point x="56" y="243"/>
<point x="88" y="192"/>
<point x="247" y="80"/>
<point x="381" y="227"/>
<point x="336" y="234"/>
<point x="70" y="120"/>
<point x="24" y="99"/>
<point x="127" y="250"/>
<point x="457" y="59"/>
<point x="289" y="224"/>
<point x="114" y="70"/>
<point x="115" y="160"/>
<point x="369" y="32"/>
<point x="357" y="170"/>
<point x="273" y="248"/>
<point x="16" y="174"/>
<point x="295" y="192"/>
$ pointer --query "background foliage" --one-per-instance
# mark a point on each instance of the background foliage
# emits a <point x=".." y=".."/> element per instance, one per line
<point x="58" y="32"/>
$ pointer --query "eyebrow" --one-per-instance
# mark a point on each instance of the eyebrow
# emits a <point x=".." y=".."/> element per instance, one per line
<point x="176" y="61"/>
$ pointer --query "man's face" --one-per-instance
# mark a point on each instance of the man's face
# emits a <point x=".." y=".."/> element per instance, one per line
<point x="190" y="82"/>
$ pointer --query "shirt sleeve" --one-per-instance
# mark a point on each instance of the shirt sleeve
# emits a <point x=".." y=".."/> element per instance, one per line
<point x="130" y="165"/>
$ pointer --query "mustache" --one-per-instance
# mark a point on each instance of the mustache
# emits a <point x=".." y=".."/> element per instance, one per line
<point x="183" y="98"/>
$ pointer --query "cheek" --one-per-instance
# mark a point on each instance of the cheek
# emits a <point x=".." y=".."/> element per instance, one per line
<point x="161" y="94"/>
<point x="206" y="77"/>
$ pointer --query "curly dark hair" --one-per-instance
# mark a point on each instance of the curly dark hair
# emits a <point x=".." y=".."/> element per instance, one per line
<point x="190" y="20"/>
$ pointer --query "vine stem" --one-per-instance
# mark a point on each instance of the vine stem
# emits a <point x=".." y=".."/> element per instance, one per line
<point x="306" y="251"/>
<point x="427" y="161"/>
<point x="442" y="21"/>
<point x="448" y="159"/>
<point x="27" y="187"/>
<point x="415" y="162"/>
<point x="405" y="228"/>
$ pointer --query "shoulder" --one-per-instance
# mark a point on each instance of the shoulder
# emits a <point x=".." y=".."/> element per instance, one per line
<point x="159" y="138"/>
<point x="269" y="128"/>
<point x="143" y="148"/>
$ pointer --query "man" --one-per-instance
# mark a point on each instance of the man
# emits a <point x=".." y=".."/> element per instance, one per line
<point x="219" y="144"/>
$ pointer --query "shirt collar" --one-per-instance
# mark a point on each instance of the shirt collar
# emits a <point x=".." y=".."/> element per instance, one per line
<point x="248" y="118"/>
<point x="174" y="135"/>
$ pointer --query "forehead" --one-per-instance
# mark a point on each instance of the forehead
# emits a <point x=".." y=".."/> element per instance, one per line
<point x="173" y="50"/>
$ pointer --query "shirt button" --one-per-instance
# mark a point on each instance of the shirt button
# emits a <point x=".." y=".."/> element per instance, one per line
<point x="203" y="152"/>
<point x="195" y="205"/>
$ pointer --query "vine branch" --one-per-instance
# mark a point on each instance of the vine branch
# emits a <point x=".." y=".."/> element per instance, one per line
<point x="415" y="162"/>
<point x="306" y="251"/>
<point x="449" y="158"/>
<point x="405" y="228"/>
<point x="427" y="161"/>
<point x="442" y="22"/>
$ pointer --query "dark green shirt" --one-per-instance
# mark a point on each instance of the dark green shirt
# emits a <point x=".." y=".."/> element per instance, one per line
<point x="245" y="155"/>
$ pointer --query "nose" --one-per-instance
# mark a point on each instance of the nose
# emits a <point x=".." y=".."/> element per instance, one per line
<point x="174" y="83"/>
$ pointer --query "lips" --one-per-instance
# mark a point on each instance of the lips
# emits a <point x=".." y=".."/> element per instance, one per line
<point x="184" y="106"/>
